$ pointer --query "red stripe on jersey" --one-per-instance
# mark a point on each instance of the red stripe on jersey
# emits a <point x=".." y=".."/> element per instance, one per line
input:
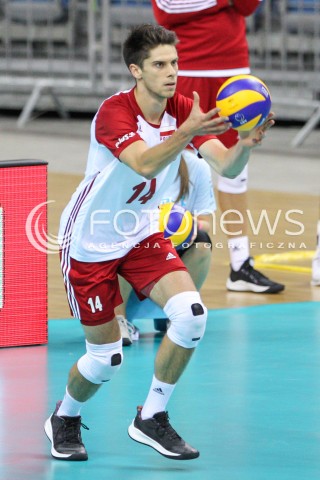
<point x="165" y="135"/>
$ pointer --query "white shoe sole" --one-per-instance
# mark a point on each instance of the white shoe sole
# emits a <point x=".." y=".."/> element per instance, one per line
<point x="135" y="336"/>
<point x="48" y="431"/>
<point x="242" y="286"/>
<point x="140" y="437"/>
<point x="60" y="456"/>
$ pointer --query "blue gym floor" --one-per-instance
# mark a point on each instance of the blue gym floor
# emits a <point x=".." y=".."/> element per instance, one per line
<point x="249" y="401"/>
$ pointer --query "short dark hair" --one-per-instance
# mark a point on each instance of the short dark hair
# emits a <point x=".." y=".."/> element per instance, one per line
<point x="144" y="38"/>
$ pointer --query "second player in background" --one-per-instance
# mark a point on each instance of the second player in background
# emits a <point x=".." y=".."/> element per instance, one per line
<point x="213" y="47"/>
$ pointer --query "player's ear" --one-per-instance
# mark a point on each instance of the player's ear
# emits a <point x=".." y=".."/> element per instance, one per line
<point x="135" y="71"/>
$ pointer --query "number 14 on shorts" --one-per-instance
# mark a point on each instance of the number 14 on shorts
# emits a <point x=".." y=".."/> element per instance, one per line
<point x="95" y="304"/>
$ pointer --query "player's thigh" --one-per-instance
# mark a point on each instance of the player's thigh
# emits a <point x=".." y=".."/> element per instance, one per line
<point x="171" y="284"/>
<point x="93" y="292"/>
<point x="102" y="334"/>
<point x="146" y="264"/>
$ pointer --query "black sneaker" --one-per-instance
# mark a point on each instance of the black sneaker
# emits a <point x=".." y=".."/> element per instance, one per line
<point x="161" y="324"/>
<point x="65" y="436"/>
<point x="247" y="279"/>
<point x="156" y="432"/>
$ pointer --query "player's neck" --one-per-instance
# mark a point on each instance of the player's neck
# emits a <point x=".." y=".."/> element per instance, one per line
<point x="152" y="106"/>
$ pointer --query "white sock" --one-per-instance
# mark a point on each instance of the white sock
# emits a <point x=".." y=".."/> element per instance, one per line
<point x="157" y="399"/>
<point x="239" y="251"/>
<point x="69" y="406"/>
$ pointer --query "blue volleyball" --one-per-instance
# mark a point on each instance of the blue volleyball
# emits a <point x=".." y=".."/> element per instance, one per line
<point x="246" y="100"/>
<point x="176" y="223"/>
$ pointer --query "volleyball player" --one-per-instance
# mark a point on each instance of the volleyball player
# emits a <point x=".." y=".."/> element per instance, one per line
<point x="137" y="137"/>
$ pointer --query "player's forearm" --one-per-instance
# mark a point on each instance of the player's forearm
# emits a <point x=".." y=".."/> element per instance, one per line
<point x="230" y="162"/>
<point x="155" y="159"/>
<point x="226" y="162"/>
<point x="235" y="159"/>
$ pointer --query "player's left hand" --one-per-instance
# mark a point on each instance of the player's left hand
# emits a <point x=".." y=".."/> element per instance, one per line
<point x="254" y="137"/>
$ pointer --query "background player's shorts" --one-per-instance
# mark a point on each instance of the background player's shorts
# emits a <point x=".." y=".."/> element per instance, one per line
<point x="93" y="288"/>
<point x="207" y="88"/>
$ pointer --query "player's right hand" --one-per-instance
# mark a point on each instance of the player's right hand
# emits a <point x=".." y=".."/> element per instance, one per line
<point x="254" y="137"/>
<point x="200" y="123"/>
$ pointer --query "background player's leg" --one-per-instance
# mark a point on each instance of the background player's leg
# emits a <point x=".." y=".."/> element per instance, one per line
<point x="197" y="259"/>
<point x="236" y="205"/>
<point x="243" y="276"/>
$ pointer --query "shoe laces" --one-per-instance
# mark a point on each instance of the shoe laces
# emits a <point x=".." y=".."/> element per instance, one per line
<point x="131" y="328"/>
<point x="164" y="427"/>
<point x="122" y="321"/>
<point x="71" y="427"/>
<point x="252" y="272"/>
<point x="123" y="324"/>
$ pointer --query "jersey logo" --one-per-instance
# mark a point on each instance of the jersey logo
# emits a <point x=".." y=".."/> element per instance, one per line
<point x="124" y="138"/>
<point x="170" y="256"/>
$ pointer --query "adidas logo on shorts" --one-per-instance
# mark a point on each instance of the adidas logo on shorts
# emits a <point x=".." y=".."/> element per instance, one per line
<point x="170" y="256"/>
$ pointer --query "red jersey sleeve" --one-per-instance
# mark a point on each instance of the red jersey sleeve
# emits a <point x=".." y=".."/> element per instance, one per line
<point x="116" y="124"/>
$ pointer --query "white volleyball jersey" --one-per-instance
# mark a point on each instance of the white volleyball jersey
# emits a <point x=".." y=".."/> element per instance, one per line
<point x="200" y="199"/>
<point x="114" y="208"/>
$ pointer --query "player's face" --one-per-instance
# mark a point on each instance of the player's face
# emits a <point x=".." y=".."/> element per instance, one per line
<point x="159" y="71"/>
